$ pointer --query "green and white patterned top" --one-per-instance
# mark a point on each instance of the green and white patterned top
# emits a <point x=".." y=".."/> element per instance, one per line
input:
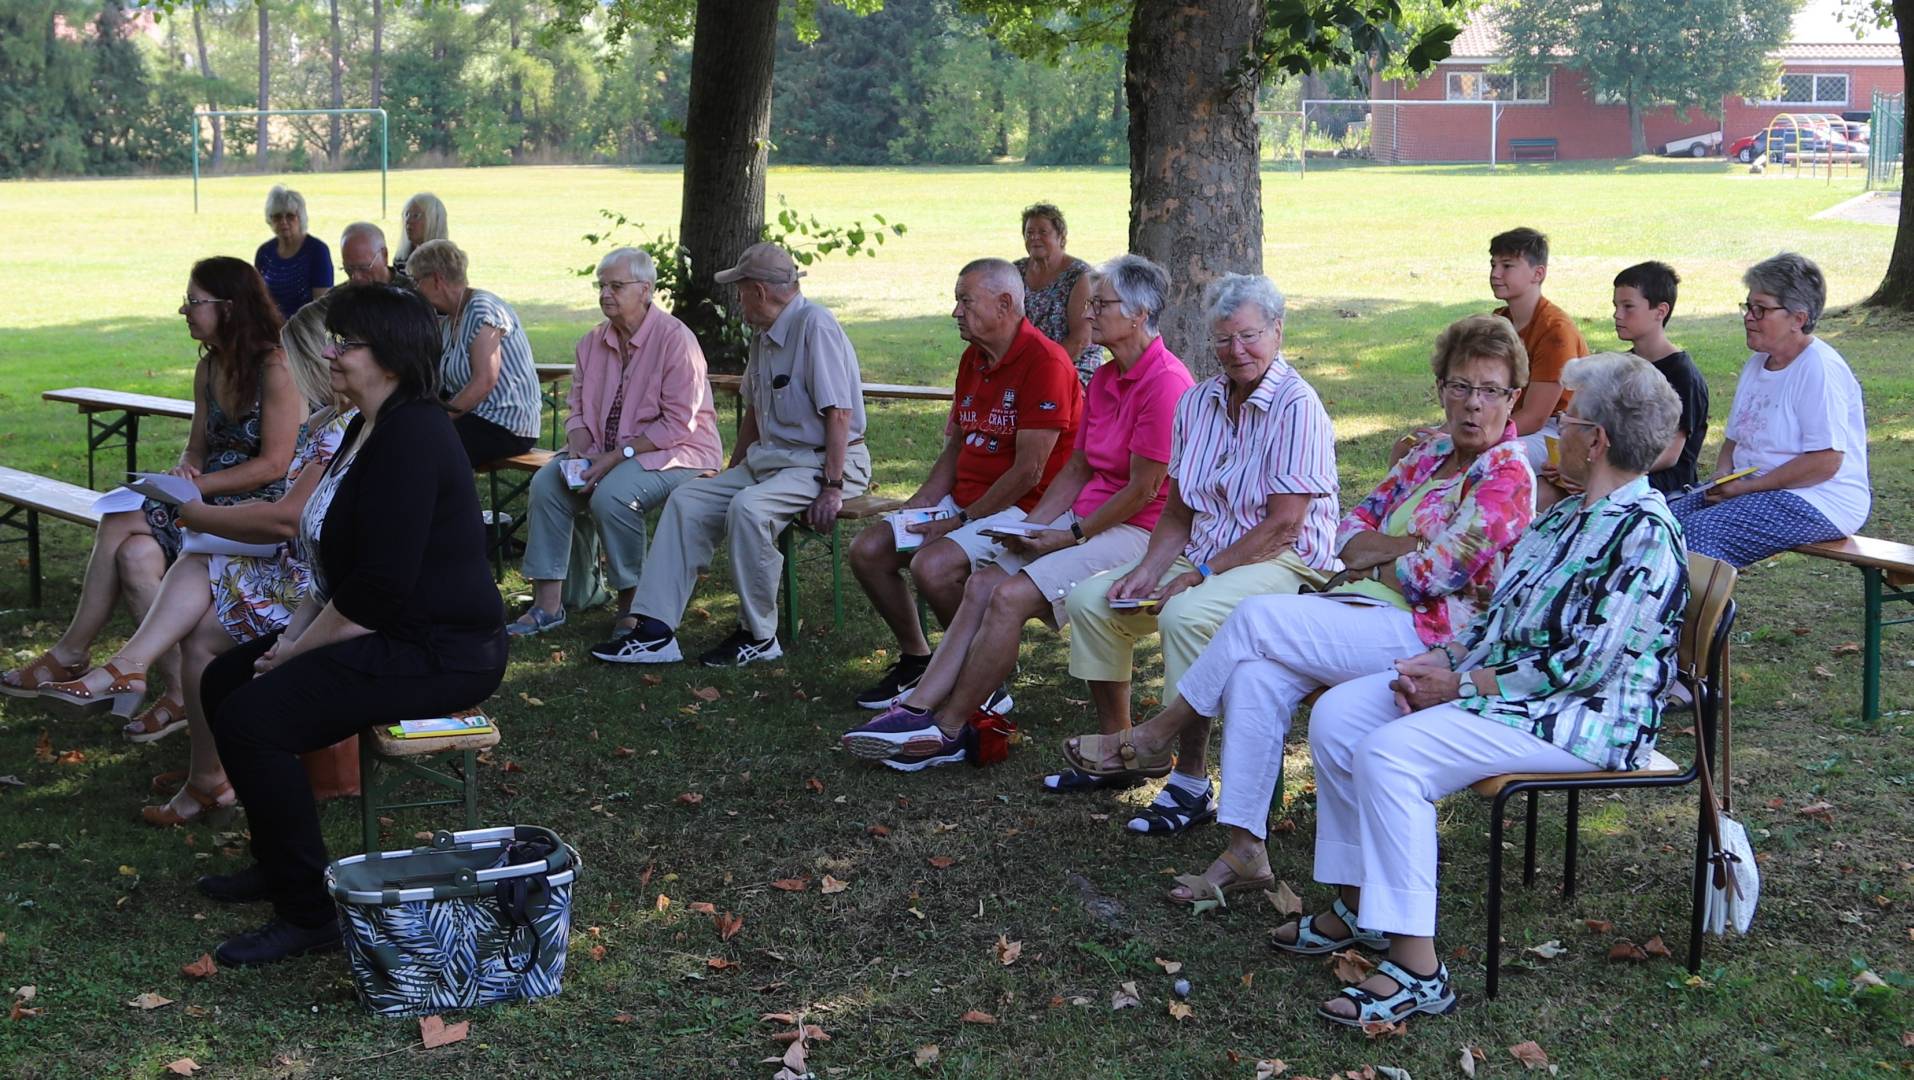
<point x="1584" y="625"/>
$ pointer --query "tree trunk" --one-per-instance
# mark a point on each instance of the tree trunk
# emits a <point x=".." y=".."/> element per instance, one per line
<point x="265" y="85"/>
<point x="1637" y="137"/>
<point x="727" y="123"/>
<point x="212" y="100"/>
<point x="378" y="52"/>
<point x="335" y="134"/>
<point x="1897" y="286"/>
<point x="1196" y="197"/>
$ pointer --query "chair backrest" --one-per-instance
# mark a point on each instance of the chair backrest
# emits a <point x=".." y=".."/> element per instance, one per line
<point x="1711" y="587"/>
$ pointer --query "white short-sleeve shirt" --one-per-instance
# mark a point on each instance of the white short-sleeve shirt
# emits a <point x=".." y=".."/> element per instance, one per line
<point x="1812" y="404"/>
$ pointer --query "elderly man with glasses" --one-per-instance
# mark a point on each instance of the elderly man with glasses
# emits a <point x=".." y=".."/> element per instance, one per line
<point x="364" y="258"/>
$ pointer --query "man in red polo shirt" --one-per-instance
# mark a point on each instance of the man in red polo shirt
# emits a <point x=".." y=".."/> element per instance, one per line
<point x="1012" y="427"/>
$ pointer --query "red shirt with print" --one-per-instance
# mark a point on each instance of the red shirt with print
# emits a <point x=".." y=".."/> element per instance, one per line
<point x="1035" y="386"/>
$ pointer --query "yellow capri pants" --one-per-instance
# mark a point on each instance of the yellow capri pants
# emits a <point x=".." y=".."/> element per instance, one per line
<point x="1103" y="641"/>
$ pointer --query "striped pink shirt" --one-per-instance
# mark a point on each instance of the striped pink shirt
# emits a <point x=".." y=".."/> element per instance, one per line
<point x="1281" y="444"/>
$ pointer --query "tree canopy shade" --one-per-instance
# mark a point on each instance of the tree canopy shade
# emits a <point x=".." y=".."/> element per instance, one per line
<point x="1648" y="54"/>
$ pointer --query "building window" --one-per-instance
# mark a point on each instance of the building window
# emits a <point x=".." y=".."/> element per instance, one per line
<point x="1803" y="88"/>
<point x="1484" y="86"/>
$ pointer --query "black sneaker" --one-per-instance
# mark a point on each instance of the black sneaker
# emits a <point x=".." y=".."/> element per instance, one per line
<point x="899" y="681"/>
<point x="246" y="887"/>
<point x="650" y="642"/>
<point x="740" y="649"/>
<point x="277" y="940"/>
<point x="1000" y="701"/>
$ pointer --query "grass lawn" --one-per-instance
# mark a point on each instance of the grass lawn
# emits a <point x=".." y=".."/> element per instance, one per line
<point x="1374" y="261"/>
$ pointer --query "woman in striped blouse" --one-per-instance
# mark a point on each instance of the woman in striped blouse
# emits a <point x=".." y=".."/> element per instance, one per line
<point x="486" y="374"/>
<point x="1563" y="671"/>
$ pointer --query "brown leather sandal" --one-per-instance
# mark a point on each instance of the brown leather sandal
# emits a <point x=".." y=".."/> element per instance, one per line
<point x="1092" y="754"/>
<point x="25" y="682"/>
<point x="165" y="717"/>
<point x="216" y="808"/>
<point x="1241" y="880"/>
<point x="166" y="783"/>
<point x="122" y="695"/>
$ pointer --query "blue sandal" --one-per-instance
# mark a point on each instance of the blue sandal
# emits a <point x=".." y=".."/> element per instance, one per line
<point x="1189" y="812"/>
<point x="1313" y="942"/>
<point x="1414" y="994"/>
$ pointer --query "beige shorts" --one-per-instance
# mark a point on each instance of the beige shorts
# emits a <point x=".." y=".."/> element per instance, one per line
<point x="1059" y="572"/>
<point x="983" y="550"/>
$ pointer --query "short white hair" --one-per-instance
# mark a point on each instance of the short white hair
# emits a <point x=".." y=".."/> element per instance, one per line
<point x="1142" y="287"/>
<point x="282" y="199"/>
<point x="1222" y="297"/>
<point x="635" y="262"/>
<point x="1631" y="401"/>
<point x="997" y="275"/>
<point x="362" y="228"/>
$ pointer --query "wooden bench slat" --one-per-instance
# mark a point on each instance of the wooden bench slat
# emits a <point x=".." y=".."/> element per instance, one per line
<point x="94" y="399"/>
<point x="1865" y="551"/>
<point x="57" y="498"/>
<point x="530" y="461"/>
<point x="868" y="506"/>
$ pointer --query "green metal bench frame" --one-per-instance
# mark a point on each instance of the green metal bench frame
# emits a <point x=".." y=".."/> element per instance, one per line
<point x="381" y="777"/>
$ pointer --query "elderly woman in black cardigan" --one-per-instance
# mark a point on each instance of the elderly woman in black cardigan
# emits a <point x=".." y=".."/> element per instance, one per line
<point x="403" y="620"/>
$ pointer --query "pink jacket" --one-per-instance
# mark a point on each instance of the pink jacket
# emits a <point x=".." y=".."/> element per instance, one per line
<point x="666" y="397"/>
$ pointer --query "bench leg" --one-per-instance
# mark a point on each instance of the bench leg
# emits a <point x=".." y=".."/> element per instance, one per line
<point x="1871" y="647"/>
<point x="33" y="558"/>
<point x="470" y="776"/>
<point x="837" y="583"/>
<point x="497" y="532"/>
<point x="132" y="444"/>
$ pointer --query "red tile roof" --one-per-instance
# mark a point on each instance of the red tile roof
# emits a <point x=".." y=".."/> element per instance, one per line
<point x="1818" y="36"/>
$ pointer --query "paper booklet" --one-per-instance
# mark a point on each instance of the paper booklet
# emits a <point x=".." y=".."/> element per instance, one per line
<point x="199" y="543"/>
<point x="901" y="520"/>
<point x="163" y="487"/>
<point x="469" y="722"/>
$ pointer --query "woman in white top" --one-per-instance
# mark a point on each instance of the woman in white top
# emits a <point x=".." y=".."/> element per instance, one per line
<point x="1797" y="422"/>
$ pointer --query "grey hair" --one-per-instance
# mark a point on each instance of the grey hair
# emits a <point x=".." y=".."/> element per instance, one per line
<point x="997" y="275"/>
<point x="281" y="199"/>
<point x="1222" y="297"/>
<point x="1631" y="401"/>
<point x="635" y="261"/>
<point x="441" y="257"/>
<point x="1795" y="281"/>
<point x="435" y="221"/>
<point x="1142" y="287"/>
<point x="362" y="228"/>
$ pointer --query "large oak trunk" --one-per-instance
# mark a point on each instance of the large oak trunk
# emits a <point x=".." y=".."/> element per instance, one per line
<point x="727" y="122"/>
<point x="1897" y="286"/>
<point x="1196" y="198"/>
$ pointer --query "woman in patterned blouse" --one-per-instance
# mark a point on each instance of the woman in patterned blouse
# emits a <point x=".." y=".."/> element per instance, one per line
<point x="1563" y="671"/>
<point x="1422" y="551"/>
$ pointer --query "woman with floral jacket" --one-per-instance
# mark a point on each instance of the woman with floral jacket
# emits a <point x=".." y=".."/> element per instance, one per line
<point x="1422" y="552"/>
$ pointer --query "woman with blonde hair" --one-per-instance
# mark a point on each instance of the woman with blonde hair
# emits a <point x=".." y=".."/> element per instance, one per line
<point x="486" y="374"/>
<point x="424" y="217"/>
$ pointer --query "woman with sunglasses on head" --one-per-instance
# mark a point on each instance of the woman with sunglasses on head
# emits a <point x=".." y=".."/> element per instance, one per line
<point x="1797" y="429"/>
<point x="402" y="620"/>
<point x="247" y="411"/>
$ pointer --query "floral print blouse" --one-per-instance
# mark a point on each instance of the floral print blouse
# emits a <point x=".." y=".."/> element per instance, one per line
<point x="1465" y="539"/>
<point x="1583" y="629"/>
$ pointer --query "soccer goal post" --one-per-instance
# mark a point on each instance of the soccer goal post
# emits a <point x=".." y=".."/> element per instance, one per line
<point x="1399" y="131"/>
<point x="385" y="155"/>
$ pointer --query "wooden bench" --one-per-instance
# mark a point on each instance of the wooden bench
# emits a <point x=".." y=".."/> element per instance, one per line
<point x="126" y="409"/>
<point x="734" y="386"/>
<point x="856" y="509"/>
<point x="1533" y="149"/>
<point x="1887" y="576"/>
<point x="386" y="764"/>
<point x="510" y="478"/>
<point x="31" y="495"/>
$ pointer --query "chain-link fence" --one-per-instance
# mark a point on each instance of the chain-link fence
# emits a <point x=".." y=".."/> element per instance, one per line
<point x="1885" y="131"/>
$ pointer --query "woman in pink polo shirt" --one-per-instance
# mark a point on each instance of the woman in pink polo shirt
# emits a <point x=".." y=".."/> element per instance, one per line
<point x="1097" y="514"/>
<point x="640" y="424"/>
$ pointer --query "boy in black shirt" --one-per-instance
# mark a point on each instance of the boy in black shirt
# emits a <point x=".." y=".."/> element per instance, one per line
<point x="1644" y="299"/>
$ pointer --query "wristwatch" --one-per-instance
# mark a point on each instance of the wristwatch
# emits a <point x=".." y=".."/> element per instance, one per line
<point x="1204" y="569"/>
<point x="837" y="483"/>
<point x="1467" y="689"/>
<point x="1076" y="530"/>
<point x="630" y="451"/>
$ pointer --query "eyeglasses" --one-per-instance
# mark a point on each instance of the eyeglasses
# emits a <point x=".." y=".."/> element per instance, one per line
<point x="1098" y="303"/>
<point x="192" y="302"/>
<point x="614" y="286"/>
<point x="340" y="346"/>
<point x="1457" y="390"/>
<point x="1750" y="309"/>
<point x="1245" y="338"/>
<point x="356" y="268"/>
<point x="415" y="215"/>
<point x="1565" y="420"/>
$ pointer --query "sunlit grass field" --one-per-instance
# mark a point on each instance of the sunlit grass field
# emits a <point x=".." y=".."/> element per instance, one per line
<point x="1374" y="262"/>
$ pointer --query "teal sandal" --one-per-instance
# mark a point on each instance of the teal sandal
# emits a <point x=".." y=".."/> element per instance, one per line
<point x="1312" y="942"/>
<point x="1413" y="995"/>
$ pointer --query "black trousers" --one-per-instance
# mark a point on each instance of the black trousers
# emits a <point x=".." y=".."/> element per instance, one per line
<point x="487" y="442"/>
<point x="262" y="724"/>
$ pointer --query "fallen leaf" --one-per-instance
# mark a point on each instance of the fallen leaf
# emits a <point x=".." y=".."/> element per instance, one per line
<point x="1820" y="811"/>
<point x="623" y="752"/>
<point x="706" y="693"/>
<point x="1907" y="1039"/>
<point x="1125" y="997"/>
<point x="622" y="1018"/>
<point x="1529" y="1054"/>
<point x="925" y="1056"/>
<point x="43" y="749"/>
<point x="1180" y="1011"/>
<point x="792" y="884"/>
<point x="719" y="963"/>
<point x="25" y="994"/>
<point x="1654" y="947"/>
<point x="149" y="1001"/>
<point x="1846" y="648"/>
<point x="1351" y="966"/>
<point x="652" y="680"/>
<point x="70" y="757"/>
<point x="664" y="902"/>
<point x="529" y="699"/>
<point x="21" y="1012"/>
<point x="880" y="831"/>
<point x="690" y="798"/>
<point x="976" y="1016"/>
<point x="1284" y="899"/>
<point x="1822" y="671"/>
<point x="942" y="862"/>
<point x="1599" y="926"/>
<point x="1549" y="950"/>
<point x="815" y="785"/>
<point x="511" y="766"/>
<point x="202" y="968"/>
<point x="727" y="925"/>
<point x="1467" y="1060"/>
<point x="183" y="1067"/>
<point x="832" y="885"/>
<point x="1270" y="1068"/>
<point x="1627" y="950"/>
<point x="434" y="1032"/>
<point x="702" y="908"/>
<point x="597" y="952"/>
<point x="1170" y="967"/>
<point x="1383" y="1029"/>
<point x="1205" y="894"/>
<point x="1865" y="980"/>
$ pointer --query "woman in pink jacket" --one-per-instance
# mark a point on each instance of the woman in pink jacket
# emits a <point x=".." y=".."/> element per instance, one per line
<point x="640" y="424"/>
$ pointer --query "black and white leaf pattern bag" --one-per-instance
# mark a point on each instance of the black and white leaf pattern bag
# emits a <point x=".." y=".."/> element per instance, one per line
<point x="479" y="917"/>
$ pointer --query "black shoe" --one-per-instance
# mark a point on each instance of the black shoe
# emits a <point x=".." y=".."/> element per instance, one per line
<point x="1000" y="701"/>
<point x="900" y="680"/>
<point x="740" y="649"/>
<point x="246" y="887"/>
<point x="277" y="940"/>
<point x="650" y="642"/>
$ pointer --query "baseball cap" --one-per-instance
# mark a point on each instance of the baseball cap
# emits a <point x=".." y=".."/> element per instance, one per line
<point x="764" y="261"/>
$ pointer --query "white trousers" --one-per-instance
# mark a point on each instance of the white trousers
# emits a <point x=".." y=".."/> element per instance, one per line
<point x="1378" y="776"/>
<point x="1270" y="653"/>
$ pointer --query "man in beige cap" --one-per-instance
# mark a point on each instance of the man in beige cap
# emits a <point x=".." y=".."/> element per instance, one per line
<point x="799" y="451"/>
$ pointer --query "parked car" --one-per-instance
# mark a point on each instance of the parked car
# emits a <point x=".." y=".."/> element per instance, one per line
<point x="1693" y="146"/>
<point x="1782" y="143"/>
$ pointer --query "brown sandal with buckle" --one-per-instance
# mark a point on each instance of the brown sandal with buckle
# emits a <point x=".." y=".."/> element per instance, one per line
<point x="166" y="783"/>
<point x="165" y="717"/>
<point x="122" y="695"/>
<point x="1092" y="754"/>
<point x="217" y="808"/>
<point x="25" y="682"/>
<point x="1240" y="880"/>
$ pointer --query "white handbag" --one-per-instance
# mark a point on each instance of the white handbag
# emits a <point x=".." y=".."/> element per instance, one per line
<point x="1734" y="881"/>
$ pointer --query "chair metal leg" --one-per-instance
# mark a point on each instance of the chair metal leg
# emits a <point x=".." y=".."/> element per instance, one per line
<point x="1571" y="840"/>
<point x="1493" y="950"/>
<point x="1528" y="843"/>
